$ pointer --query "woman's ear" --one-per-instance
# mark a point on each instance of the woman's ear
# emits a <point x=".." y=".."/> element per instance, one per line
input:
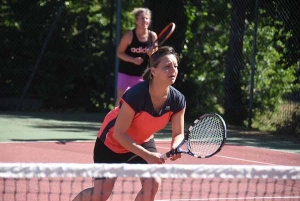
<point x="152" y="70"/>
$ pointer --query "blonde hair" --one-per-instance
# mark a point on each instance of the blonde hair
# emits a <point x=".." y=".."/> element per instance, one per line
<point x="137" y="11"/>
<point x="156" y="58"/>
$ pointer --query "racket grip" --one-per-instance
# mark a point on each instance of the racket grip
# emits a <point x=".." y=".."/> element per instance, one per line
<point x="168" y="154"/>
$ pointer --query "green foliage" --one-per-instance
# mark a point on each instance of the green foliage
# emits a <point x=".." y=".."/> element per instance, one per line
<point x="77" y="70"/>
<point x="128" y="21"/>
<point x="286" y="120"/>
<point x="73" y="69"/>
<point x="272" y="80"/>
<point x="203" y="71"/>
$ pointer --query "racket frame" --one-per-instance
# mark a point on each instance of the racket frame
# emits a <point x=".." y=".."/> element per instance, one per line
<point x="173" y="26"/>
<point x="153" y="45"/>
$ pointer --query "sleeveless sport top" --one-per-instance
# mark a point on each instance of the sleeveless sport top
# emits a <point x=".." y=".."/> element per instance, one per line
<point x="136" y="49"/>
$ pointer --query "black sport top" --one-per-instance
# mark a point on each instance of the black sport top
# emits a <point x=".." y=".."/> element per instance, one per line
<point x="136" y="49"/>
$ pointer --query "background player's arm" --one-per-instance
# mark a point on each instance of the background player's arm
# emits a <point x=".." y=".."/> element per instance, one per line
<point x="152" y="50"/>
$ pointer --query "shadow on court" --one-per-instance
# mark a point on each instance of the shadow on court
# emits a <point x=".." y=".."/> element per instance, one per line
<point x="69" y="127"/>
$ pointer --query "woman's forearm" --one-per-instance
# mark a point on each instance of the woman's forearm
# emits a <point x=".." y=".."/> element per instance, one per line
<point x="128" y="143"/>
<point x="176" y="140"/>
<point x="125" y="57"/>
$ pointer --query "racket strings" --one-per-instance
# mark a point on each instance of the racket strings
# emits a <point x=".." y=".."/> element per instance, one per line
<point x="206" y="136"/>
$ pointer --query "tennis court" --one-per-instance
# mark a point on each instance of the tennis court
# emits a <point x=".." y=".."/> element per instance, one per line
<point x="68" y="138"/>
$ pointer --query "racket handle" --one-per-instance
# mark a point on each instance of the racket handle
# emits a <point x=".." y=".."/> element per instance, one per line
<point x="146" y="55"/>
<point x="168" y="154"/>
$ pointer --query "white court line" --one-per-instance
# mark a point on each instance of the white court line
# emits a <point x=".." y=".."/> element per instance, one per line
<point x="269" y="149"/>
<point x="50" y="141"/>
<point x="232" y="158"/>
<point x="239" y="159"/>
<point x="239" y="198"/>
<point x="160" y="140"/>
<point x="230" y="144"/>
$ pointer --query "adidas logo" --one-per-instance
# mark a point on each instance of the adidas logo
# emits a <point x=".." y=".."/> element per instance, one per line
<point x="138" y="50"/>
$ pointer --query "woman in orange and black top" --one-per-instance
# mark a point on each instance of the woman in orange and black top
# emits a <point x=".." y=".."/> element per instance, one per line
<point x="126" y="135"/>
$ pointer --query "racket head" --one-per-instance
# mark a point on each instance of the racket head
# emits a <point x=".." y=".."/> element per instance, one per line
<point x="165" y="34"/>
<point x="206" y="136"/>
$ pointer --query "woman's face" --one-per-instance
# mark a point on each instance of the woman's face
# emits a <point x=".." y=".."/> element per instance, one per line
<point x="143" y="20"/>
<point x="167" y="70"/>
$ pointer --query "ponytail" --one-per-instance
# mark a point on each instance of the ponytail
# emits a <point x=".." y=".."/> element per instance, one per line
<point x="147" y="74"/>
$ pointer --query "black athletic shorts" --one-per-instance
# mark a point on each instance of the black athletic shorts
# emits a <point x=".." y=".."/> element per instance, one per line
<point x="102" y="154"/>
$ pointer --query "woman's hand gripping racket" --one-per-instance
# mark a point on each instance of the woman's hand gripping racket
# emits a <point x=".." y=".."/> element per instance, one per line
<point x="204" y="138"/>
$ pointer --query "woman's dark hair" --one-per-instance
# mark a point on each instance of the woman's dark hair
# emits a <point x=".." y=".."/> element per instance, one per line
<point x="156" y="58"/>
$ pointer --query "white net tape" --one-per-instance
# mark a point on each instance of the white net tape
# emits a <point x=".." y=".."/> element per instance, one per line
<point x="42" y="170"/>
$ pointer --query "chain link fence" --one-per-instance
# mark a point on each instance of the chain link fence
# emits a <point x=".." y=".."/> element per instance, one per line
<point x="238" y="58"/>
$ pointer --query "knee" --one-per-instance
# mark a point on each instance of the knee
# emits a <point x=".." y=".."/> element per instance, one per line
<point x="151" y="185"/>
<point x="103" y="189"/>
<point x="92" y="195"/>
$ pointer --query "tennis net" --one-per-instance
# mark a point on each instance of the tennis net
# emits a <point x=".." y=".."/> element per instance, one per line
<point x="56" y="181"/>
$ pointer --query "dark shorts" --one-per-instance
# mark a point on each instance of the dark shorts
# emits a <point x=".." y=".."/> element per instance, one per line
<point x="102" y="154"/>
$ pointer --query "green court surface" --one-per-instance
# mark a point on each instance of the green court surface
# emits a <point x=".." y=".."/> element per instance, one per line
<point x="50" y="126"/>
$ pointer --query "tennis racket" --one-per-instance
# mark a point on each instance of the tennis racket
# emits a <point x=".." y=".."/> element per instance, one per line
<point x="164" y="35"/>
<point x="204" y="138"/>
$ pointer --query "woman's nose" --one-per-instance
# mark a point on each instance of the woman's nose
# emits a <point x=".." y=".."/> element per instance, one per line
<point x="173" y="69"/>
